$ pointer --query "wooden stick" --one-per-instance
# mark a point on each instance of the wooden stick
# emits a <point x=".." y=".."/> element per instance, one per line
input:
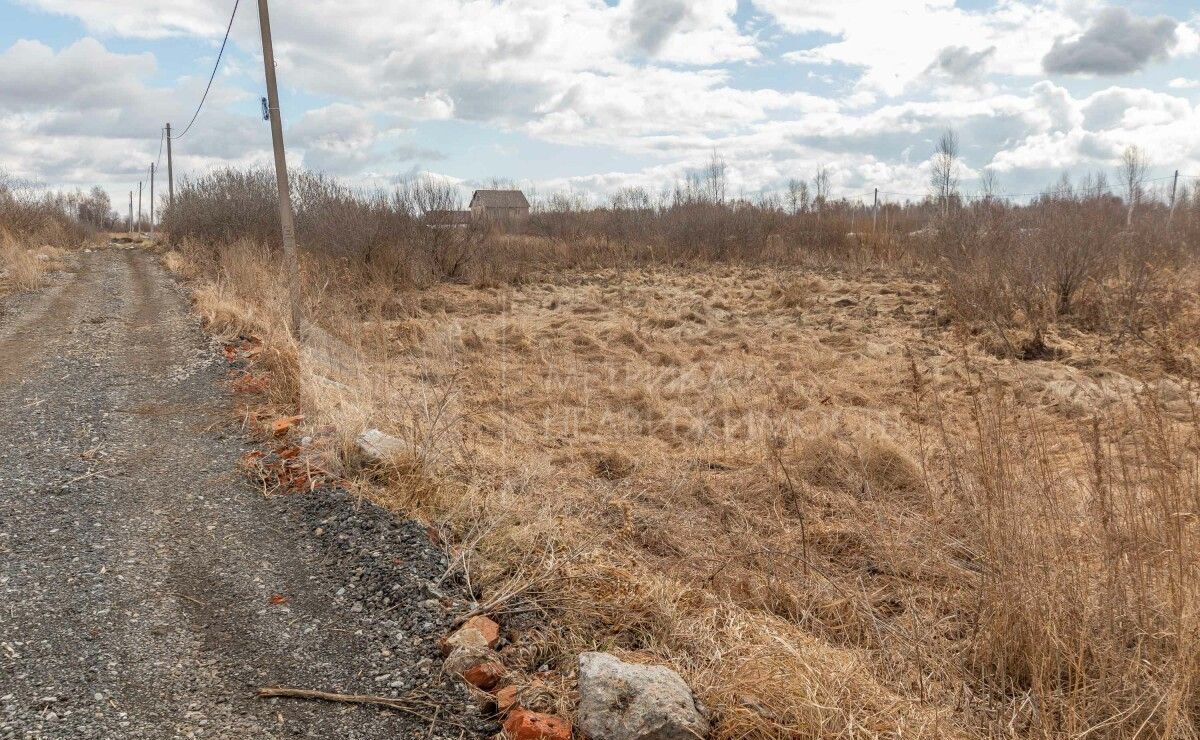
<point x="195" y="601"/>
<point x="397" y="703"/>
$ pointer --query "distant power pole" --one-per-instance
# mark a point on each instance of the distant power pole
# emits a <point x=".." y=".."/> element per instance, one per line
<point x="131" y="212"/>
<point x="286" y="216"/>
<point x="151" y="199"/>
<point x="170" y="172"/>
<point x="1174" y="185"/>
<point x="875" y="212"/>
<point x="139" y="219"/>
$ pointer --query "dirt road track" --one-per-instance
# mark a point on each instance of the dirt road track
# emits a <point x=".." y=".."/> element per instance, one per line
<point x="137" y="571"/>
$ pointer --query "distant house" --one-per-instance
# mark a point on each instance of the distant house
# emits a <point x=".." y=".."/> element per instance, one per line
<point x="500" y="205"/>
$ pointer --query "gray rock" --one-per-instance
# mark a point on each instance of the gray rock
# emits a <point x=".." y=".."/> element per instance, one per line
<point x="379" y="446"/>
<point x="625" y="701"/>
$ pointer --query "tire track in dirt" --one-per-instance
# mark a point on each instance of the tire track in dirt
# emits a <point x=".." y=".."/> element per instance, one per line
<point x="26" y="337"/>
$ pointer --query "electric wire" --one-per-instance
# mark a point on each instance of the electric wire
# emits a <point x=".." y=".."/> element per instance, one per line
<point x="213" y="76"/>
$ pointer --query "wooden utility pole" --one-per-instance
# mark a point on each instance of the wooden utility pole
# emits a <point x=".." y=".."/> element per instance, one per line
<point x="131" y="212"/>
<point x="875" y="212"/>
<point x="139" y="220"/>
<point x="1174" y="187"/>
<point x="170" y="172"/>
<point x="152" y="199"/>
<point x="286" y="216"/>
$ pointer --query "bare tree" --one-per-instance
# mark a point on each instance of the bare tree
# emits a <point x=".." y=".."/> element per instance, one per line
<point x="1134" y="167"/>
<point x="715" y="178"/>
<point x="1063" y="189"/>
<point x="94" y="208"/>
<point x="632" y="198"/>
<point x="797" y="195"/>
<point x="1094" y="185"/>
<point x="988" y="185"/>
<point x="944" y="175"/>
<point x="821" y="185"/>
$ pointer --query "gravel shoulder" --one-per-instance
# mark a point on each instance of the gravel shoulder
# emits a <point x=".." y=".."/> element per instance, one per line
<point x="141" y="578"/>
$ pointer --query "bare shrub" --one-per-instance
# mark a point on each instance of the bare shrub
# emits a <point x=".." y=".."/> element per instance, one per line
<point x="1067" y="257"/>
<point x="37" y="224"/>
<point x="381" y="233"/>
<point x="36" y="216"/>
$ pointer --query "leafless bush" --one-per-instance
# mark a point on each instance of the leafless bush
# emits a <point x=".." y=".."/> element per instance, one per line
<point x="1066" y="257"/>
<point x="36" y="216"/>
<point x="381" y="233"/>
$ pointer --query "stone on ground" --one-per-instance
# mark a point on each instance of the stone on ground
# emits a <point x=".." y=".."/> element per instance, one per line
<point x="379" y="447"/>
<point x="626" y="701"/>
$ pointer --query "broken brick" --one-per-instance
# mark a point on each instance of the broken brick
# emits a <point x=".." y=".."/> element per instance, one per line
<point x="485" y="675"/>
<point x="281" y="426"/>
<point x="506" y="699"/>
<point x="486" y="627"/>
<point x="478" y="632"/>
<point x="523" y="724"/>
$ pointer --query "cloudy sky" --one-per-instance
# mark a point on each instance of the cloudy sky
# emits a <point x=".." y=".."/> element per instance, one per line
<point x="590" y="95"/>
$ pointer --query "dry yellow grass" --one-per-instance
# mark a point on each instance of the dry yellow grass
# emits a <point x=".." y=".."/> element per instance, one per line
<point x="23" y="267"/>
<point x="831" y="513"/>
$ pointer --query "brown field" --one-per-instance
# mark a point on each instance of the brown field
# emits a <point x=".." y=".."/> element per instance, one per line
<point x="836" y="508"/>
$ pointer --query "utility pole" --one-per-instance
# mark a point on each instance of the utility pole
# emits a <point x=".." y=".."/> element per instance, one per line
<point x="152" y="199"/>
<point x="170" y="172"/>
<point x="139" y="220"/>
<point x="286" y="216"/>
<point x="131" y="212"/>
<point x="875" y="212"/>
<point x="1174" y="186"/>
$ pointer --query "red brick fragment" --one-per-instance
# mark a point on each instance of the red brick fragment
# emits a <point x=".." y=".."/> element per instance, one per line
<point x="523" y="724"/>
<point x="485" y="675"/>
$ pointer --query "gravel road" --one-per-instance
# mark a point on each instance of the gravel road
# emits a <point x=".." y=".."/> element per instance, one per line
<point x="140" y="577"/>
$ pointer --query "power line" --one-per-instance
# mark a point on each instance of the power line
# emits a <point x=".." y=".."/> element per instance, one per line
<point x="995" y="196"/>
<point x="213" y="76"/>
<point x="162" y="135"/>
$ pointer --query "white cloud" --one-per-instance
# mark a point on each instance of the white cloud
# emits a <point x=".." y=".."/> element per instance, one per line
<point x="1115" y="42"/>
<point x="894" y="43"/>
<point x="1129" y="109"/>
<point x="1183" y="83"/>
<point x="661" y="82"/>
<point x="684" y="31"/>
<point x="83" y="76"/>
<point x="337" y="138"/>
<point x="959" y="65"/>
<point x="84" y="115"/>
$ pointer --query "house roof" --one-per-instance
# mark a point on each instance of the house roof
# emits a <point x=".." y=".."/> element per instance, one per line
<point x="499" y="199"/>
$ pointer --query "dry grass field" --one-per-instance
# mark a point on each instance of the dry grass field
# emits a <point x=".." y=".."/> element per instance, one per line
<point x="834" y="509"/>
